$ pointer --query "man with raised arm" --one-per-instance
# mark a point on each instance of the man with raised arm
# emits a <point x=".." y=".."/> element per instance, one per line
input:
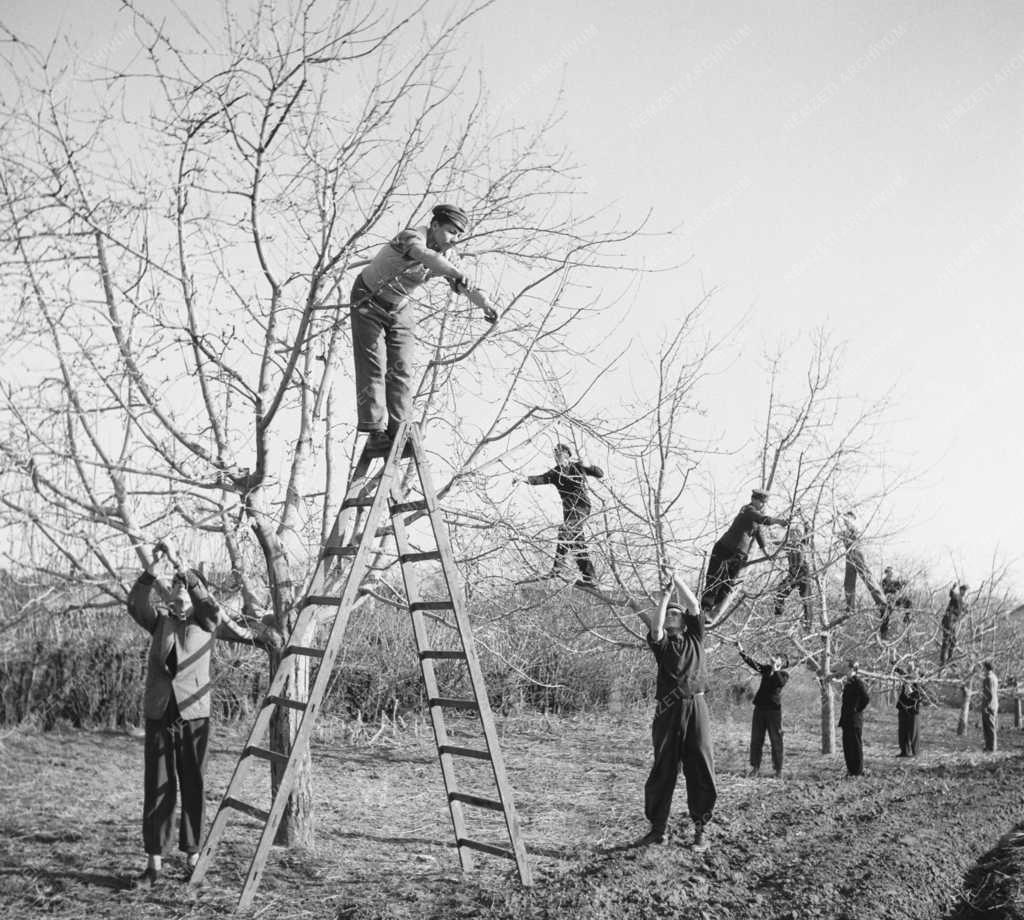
<point x="767" y="711"/>
<point x="729" y="554"/>
<point x="851" y="719"/>
<point x="956" y="609"/>
<point x="383" y="321"/>
<point x="177" y="697"/>
<point x="569" y="477"/>
<point x="682" y="726"/>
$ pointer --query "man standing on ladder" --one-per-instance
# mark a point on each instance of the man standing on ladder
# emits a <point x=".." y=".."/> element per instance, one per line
<point x="383" y="324"/>
<point x="570" y="478"/>
<point x="729" y="554"/>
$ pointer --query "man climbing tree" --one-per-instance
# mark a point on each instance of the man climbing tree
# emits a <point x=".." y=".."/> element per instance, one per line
<point x="570" y="478"/>
<point x="682" y="723"/>
<point x="799" y="553"/>
<point x="729" y="554"/>
<point x="383" y="324"/>
<point x="850" y="534"/>
<point x="767" y="711"/>
<point x="895" y="590"/>
<point x="956" y="609"/>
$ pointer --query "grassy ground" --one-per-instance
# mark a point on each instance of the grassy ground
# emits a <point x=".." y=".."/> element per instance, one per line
<point x="913" y="839"/>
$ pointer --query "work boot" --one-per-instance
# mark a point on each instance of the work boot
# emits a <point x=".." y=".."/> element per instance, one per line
<point x="655" y="836"/>
<point x="378" y="444"/>
<point x="146" y="880"/>
<point x="754" y="771"/>
<point x="700" y="844"/>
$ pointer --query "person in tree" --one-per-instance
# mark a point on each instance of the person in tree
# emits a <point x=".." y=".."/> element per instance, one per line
<point x="851" y="719"/>
<point x="730" y="552"/>
<point x="767" y="711"/>
<point x="895" y="590"/>
<point x="989" y="706"/>
<point x="856" y="567"/>
<point x="569" y="477"/>
<point x="799" y="552"/>
<point x="682" y="724"/>
<point x="176" y="701"/>
<point x="908" y="706"/>
<point x="383" y="321"/>
<point x="956" y="609"/>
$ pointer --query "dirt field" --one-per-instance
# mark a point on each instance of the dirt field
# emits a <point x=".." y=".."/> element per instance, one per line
<point x="913" y="839"/>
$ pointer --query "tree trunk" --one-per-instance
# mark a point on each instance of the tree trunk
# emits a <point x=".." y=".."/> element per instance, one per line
<point x="1017" y="707"/>
<point x="828" y="699"/>
<point x="965" y="710"/>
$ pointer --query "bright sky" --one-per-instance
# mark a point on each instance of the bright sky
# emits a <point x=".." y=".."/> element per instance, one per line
<point x="853" y="166"/>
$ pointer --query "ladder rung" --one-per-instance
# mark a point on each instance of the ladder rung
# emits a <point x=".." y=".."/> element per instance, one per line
<point x="357" y="503"/>
<point x="321" y="600"/>
<point x="420" y="557"/>
<point x="477" y="801"/>
<point x="417" y="505"/>
<point x="336" y="550"/>
<point x="486" y="848"/>
<point x="463" y="752"/>
<point x="303" y="650"/>
<point x="452" y="703"/>
<point x="441" y="654"/>
<point x="281" y="701"/>
<point x="264" y="754"/>
<point x="251" y="810"/>
<point x="431" y="605"/>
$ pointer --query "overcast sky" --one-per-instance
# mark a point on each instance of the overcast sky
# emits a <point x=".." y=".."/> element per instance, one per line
<point x="856" y="166"/>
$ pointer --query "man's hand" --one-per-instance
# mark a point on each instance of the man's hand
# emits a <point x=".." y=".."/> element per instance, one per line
<point x="267" y="633"/>
<point x="490" y="314"/>
<point x="165" y="548"/>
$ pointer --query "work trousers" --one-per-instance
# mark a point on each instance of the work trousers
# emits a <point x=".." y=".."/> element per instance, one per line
<point x="175" y="755"/>
<point x="766" y="721"/>
<point x="798" y="578"/>
<point x="853" y="749"/>
<point x="989" y="725"/>
<point x="383" y="346"/>
<point x="571" y="540"/>
<point x="856" y="566"/>
<point x="722" y="576"/>
<point x="682" y="736"/>
<point x="948" y="646"/>
<point x="907" y="729"/>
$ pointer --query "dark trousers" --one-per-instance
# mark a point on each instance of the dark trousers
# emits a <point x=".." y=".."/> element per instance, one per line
<point x="907" y="720"/>
<point x="770" y="721"/>
<point x="571" y="540"/>
<point x="175" y="756"/>
<point x="723" y="574"/>
<point x="797" y="579"/>
<point x="383" y="341"/>
<point x="682" y="736"/>
<point x="857" y="567"/>
<point x="988" y="728"/>
<point x="948" y="646"/>
<point x="853" y="749"/>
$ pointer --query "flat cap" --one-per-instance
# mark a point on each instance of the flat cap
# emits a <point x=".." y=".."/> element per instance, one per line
<point x="759" y="495"/>
<point x="452" y="214"/>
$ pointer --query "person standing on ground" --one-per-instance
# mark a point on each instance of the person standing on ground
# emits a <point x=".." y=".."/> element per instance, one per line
<point x="383" y="324"/>
<point x="850" y="535"/>
<point x="177" y="702"/>
<point x="730" y="552"/>
<point x="799" y="548"/>
<point x="956" y="609"/>
<point x="908" y="706"/>
<point x="682" y="725"/>
<point x="989" y="706"/>
<point x="569" y="477"/>
<point x="767" y="711"/>
<point x="851" y="719"/>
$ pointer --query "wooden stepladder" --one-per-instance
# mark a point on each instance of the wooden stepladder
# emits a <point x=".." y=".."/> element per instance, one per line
<point x="382" y="495"/>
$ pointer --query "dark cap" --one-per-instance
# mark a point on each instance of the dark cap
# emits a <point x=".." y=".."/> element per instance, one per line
<point x="452" y="214"/>
<point x="759" y="495"/>
<point x="563" y="448"/>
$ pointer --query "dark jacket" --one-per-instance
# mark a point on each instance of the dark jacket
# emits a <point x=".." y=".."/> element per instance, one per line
<point x="769" y="693"/>
<point x="910" y="698"/>
<point x="855" y="701"/>
<point x="680" y="658"/>
<point x="571" y="482"/>
<point x="745" y="528"/>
